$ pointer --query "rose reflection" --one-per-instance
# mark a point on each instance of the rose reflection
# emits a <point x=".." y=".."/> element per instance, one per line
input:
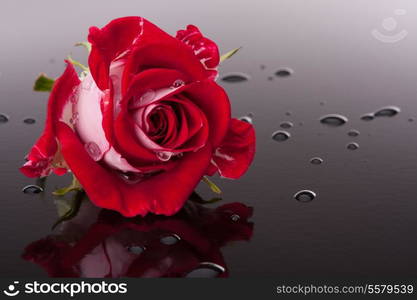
<point x="187" y="244"/>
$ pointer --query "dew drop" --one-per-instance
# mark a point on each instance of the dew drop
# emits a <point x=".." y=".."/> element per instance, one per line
<point x="177" y="83"/>
<point x="368" y="117"/>
<point x="248" y="118"/>
<point x="32" y="189"/>
<point x="333" y="120"/>
<point x="135" y="249"/>
<point x="206" y="270"/>
<point x="235" y="77"/>
<point x="316" y="161"/>
<point x="352" y="146"/>
<point x="281" y="136"/>
<point x="4" y="118"/>
<point x="286" y="125"/>
<point x="388" y="111"/>
<point x="29" y="121"/>
<point x="235" y="217"/>
<point x="170" y="239"/>
<point x="284" y="72"/>
<point x="353" y="133"/>
<point x="305" y="196"/>
<point x="163" y="155"/>
<point x="93" y="150"/>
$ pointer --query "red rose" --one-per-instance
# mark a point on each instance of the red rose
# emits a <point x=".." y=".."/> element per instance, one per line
<point x="146" y="123"/>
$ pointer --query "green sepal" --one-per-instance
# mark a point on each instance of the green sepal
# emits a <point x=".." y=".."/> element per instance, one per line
<point x="77" y="63"/>
<point x="68" y="210"/>
<point x="75" y="185"/>
<point x="229" y="54"/>
<point x="85" y="44"/>
<point x="43" y="83"/>
<point x="195" y="197"/>
<point x="212" y="185"/>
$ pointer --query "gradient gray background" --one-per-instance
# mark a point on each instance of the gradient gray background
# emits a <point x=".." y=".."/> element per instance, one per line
<point x="362" y="222"/>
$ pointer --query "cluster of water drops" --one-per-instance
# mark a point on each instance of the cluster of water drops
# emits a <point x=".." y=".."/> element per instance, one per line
<point x="5" y="118"/>
<point x="235" y="77"/>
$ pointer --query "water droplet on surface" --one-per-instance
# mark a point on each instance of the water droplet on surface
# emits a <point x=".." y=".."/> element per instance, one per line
<point x="305" y="196"/>
<point x="263" y="67"/>
<point x="32" y="189"/>
<point x="284" y="72"/>
<point x="368" y="117"/>
<point x="4" y="118"/>
<point x="281" y="136"/>
<point x="352" y="146"/>
<point x="388" y="111"/>
<point x="206" y="270"/>
<point x="389" y="24"/>
<point x="177" y="83"/>
<point x="235" y="217"/>
<point x="93" y="150"/>
<point x="270" y="78"/>
<point x="286" y="125"/>
<point x="316" y="161"/>
<point x="235" y="77"/>
<point x="29" y="121"/>
<point x="248" y="118"/>
<point x="353" y="132"/>
<point x="322" y="103"/>
<point x="410" y="120"/>
<point x="288" y="113"/>
<point x="135" y="249"/>
<point x="333" y="120"/>
<point x="170" y="239"/>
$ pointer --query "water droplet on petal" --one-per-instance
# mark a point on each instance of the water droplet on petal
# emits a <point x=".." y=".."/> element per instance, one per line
<point x="284" y="72"/>
<point x="163" y="155"/>
<point x="316" y="161"/>
<point x="93" y="150"/>
<point x="32" y="189"/>
<point x="4" y="118"/>
<point x="352" y="146"/>
<point x="177" y="83"/>
<point x="29" y="121"/>
<point x="170" y="239"/>
<point x="368" y="117"/>
<point x="353" y="133"/>
<point x="74" y="118"/>
<point x="305" y="196"/>
<point x="247" y="118"/>
<point x="333" y="120"/>
<point x="235" y="77"/>
<point x="206" y="270"/>
<point x="286" y="125"/>
<point x="388" y="111"/>
<point x="281" y="136"/>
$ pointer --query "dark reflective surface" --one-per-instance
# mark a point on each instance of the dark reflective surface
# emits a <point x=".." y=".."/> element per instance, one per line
<point x="101" y="243"/>
<point x="363" y="218"/>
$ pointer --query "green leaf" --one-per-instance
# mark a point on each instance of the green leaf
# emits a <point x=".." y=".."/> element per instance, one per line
<point x="195" y="197"/>
<point x="69" y="210"/>
<point x="43" y="83"/>
<point x="75" y="185"/>
<point x="85" y="44"/>
<point x="77" y="63"/>
<point x="212" y="185"/>
<point x="229" y="54"/>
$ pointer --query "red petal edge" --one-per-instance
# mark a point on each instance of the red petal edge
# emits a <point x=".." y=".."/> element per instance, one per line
<point x="41" y="155"/>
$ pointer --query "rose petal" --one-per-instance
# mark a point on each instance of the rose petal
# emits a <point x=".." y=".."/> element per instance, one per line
<point x="233" y="157"/>
<point x="42" y="154"/>
<point x="163" y="193"/>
